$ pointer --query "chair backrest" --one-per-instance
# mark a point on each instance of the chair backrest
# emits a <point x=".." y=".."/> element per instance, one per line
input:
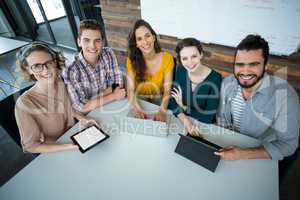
<point x="175" y="68"/>
<point x="7" y="115"/>
<point x="286" y="165"/>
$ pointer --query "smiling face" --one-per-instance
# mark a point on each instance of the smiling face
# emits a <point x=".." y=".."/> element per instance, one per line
<point x="190" y="58"/>
<point x="91" y="43"/>
<point x="249" y="67"/>
<point x="145" y="40"/>
<point x="49" y="72"/>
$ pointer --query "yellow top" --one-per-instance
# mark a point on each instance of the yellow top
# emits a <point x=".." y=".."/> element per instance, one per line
<point x="153" y="85"/>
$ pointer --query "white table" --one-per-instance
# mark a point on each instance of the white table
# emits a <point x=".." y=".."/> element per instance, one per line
<point x="7" y="45"/>
<point x="128" y="166"/>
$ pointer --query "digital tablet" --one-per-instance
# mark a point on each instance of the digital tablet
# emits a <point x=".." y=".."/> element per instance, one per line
<point x="198" y="150"/>
<point x="88" y="138"/>
<point x="204" y="141"/>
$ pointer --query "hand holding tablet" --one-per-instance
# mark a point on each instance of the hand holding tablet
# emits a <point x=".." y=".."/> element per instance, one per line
<point x="88" y="138"/>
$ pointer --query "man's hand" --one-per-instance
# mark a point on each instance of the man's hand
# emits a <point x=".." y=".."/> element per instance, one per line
<point x="119" y="93"/>
<point x="230" y="153"/>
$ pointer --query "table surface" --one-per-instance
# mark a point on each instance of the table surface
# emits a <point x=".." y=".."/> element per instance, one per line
<point x="133" y="166"/>
<point x="7" y="45"/>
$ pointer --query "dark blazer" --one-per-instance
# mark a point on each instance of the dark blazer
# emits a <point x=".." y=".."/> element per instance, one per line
<point x="203" y="102"/>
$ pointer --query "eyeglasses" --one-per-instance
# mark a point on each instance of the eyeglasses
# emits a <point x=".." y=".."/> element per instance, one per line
<point x="39" y="67"/>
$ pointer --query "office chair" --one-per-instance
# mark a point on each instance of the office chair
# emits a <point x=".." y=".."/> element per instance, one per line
<point x="7" y="115"/>
<point x="287" y="164"/>
<point x="175" y="68"/>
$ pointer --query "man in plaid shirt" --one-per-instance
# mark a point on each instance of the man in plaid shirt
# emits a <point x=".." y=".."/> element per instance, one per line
<point x="94" y="72"/>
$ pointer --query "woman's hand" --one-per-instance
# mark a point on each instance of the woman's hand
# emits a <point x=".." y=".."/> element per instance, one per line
<point x="138" y="113"/>
<point x="87" y="121"/>
<point x="72" y="146"/>
<point x="160" y="116"/>
<point x="176" y="93"/>
<point x="192" y="128"/>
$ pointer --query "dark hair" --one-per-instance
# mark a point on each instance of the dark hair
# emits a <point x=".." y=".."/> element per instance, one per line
<point x="254" y="42"/>
<point x="90" y="24"/>
<point x="25" y="51"/>
<point x="187" y="42"/>
<point x="135" y="55"/>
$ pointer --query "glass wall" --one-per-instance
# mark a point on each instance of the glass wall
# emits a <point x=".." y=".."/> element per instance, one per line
<point x="54" y="9"/>
<point x="53" y="23"/>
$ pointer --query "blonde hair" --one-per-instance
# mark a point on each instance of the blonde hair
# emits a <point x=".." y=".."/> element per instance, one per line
<point x="25" y="51"/>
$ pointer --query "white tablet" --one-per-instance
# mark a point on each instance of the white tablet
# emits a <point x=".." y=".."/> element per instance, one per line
<point x="88" y="138"/>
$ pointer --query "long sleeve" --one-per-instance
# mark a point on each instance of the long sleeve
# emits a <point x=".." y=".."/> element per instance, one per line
<point x="286" y="128"/>
<point x="179" y="75"/>
<point x="30" y="132"/>
<point x="221" y="112"/>
<point x="114" y="72"/>
<point x="207" y="113"/>
<point x="75" y="88"/>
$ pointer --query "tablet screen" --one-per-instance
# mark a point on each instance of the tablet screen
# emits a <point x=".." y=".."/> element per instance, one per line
<point x="89" y="137"/>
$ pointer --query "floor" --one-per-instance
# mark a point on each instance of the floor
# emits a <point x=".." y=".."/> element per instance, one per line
<point x="12" y="159"/>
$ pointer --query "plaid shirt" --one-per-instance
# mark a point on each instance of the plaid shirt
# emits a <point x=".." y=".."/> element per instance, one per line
<point x="84" y="81"/>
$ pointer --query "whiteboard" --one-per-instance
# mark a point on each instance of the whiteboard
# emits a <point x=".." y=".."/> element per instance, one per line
<point x="227" y="22"/>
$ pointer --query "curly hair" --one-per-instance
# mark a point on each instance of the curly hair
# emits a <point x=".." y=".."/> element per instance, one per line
<point x="135" y="55"/>
<point x="254" y="42"/>
<point x="25" y="51"/>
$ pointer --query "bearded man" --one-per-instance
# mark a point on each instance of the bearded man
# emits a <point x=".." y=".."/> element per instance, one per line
<point x="258" y="105"/>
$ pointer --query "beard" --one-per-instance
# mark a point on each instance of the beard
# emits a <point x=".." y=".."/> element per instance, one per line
<point x="258" y="78"/>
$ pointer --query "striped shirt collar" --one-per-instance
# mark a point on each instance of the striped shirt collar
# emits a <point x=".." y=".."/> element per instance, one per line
<point x="264" y="89"/>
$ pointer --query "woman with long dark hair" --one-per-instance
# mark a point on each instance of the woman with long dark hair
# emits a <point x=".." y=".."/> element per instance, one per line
<point x="149" y="70"/>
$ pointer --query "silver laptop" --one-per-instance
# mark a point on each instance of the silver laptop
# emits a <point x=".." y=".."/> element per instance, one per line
<point x="131" y="124"/>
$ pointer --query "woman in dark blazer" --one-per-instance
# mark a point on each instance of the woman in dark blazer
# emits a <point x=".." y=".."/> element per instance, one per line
<point x="196" y="89"/>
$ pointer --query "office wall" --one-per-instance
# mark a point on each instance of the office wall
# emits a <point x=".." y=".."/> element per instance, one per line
<point x="226" y="22"/>
<point x="119" y="15"/>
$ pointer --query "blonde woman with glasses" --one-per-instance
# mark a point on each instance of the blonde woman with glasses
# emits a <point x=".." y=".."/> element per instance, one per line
<point x="44" y="112"/>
